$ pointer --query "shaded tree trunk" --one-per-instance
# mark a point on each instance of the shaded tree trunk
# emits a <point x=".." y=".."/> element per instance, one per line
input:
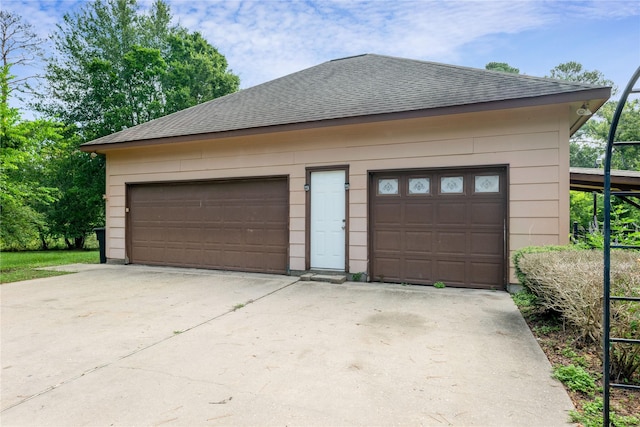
<point x="43" y="242"/>
<point x="77" y="243"/>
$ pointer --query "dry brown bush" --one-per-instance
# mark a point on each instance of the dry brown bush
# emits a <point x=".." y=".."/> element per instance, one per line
<point x="570" y="282"/>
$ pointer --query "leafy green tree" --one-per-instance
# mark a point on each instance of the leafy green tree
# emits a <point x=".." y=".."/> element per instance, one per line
<point x="157" y="26"/>
<point x="26" y="149"/>
<point x="49" y="189"/>
<point x="581" y="209"/>
<point x="95" y="78"/>
<point x="585" y="154"/>
<point x="80" y="180"/>
<point x="502" y="66"/>
<point x="116" y="67"/>
<point x="589" y="143"/>
<point x="574" y="72"/>
<point x="196" y="72"/>
<point x="23" y="144"/>
<point x="597" y="129"/>
<point x="18" y="220"/>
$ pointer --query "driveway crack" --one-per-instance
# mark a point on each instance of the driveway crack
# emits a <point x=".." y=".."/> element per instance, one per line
<point x="155" y="371"/>
<point x="141" y="349"/>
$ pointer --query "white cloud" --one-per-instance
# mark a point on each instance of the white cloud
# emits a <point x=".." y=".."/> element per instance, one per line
<point x="598" y="9"/>
<point x="266" y="39"/>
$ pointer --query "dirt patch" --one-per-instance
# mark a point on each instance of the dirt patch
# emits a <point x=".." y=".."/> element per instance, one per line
<point x="563" y="347"/>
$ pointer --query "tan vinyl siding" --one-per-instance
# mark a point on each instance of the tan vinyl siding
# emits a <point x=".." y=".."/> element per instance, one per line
<point x="533" y="142"/>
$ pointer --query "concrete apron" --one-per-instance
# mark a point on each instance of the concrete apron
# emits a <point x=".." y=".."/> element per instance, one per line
<point x="129" y="345"/>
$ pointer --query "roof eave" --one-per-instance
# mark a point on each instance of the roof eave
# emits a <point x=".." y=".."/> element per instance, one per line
<point x="596" y="97"/>
<point x="594" y="105"/>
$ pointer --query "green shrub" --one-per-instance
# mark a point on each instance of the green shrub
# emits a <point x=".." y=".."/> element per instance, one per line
<point x="592" y="416"/>
<point x="570" y="283"/>
<point x="547" y="329"/>
<point x="524" y="299"/>
<point x="575" y="357"/>
<point x="357" y="277"/>
<point x="576" y="378"/>
<point x="517" y="256"/>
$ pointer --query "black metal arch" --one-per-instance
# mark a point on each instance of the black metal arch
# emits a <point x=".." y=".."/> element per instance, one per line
<point x="608" y="340"/>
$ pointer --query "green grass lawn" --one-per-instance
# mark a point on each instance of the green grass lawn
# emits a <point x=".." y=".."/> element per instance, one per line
<point x="17" y="266"/>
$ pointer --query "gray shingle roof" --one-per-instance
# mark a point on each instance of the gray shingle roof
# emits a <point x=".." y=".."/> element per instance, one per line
<point x="346" y="88"/>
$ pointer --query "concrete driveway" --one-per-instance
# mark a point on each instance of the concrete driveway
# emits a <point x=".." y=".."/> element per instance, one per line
<point x="130" y="345"/>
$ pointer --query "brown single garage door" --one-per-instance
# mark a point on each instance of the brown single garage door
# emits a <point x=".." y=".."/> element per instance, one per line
<point x="439" y="225"/>
<point x="231" y="225"/>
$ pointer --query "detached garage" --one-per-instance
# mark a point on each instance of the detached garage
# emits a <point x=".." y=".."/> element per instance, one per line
<point x="403" y="170"/>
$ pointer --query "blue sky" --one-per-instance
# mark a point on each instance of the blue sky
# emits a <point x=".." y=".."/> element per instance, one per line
<point x="266" y="39"/>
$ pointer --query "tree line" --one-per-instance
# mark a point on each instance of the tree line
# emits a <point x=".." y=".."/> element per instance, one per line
<point x="112" y="66"/>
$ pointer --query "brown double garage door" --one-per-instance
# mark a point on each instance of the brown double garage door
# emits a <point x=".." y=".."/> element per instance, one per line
<point x="231" y="225"/>
<point x="439" y="225"/>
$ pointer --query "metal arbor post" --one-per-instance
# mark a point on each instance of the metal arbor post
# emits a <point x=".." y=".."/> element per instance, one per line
<point x="608" y="340"/>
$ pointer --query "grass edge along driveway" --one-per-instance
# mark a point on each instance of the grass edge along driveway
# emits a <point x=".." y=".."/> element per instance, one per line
<point x="18" y="266"/>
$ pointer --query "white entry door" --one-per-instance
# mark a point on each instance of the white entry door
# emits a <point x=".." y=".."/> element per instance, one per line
<point x="328" y="221"/>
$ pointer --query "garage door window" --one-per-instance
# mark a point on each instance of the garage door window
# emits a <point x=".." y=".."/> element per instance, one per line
<point x="487" y="184"/>
<point x="388" y="186"/>
<point x="419" y="185"/>
<point x="452" y="184"/>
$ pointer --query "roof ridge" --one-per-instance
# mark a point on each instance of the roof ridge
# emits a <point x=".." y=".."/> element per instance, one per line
<point x="349" y="57"/>
<point x="469" y="68"/>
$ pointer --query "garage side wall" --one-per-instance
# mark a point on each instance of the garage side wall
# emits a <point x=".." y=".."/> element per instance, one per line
<point x="533" y="142"/>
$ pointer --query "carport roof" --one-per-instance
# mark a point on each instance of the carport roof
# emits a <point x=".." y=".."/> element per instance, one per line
<point x="592" y="179"/>
<point x="365" y="88"/>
